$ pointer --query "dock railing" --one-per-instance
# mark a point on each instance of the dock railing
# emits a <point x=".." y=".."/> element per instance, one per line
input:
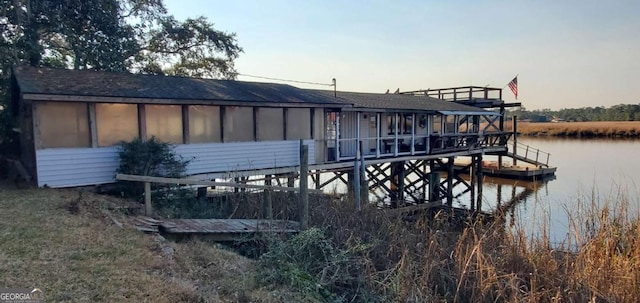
<point x="460" y="94"/>
<point x="529" y="154"/>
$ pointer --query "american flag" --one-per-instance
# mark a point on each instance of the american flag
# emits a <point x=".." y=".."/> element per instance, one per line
<point x="513" y="85"/>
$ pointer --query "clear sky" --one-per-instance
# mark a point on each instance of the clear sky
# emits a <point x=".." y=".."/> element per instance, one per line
<point x="566" y="53"/>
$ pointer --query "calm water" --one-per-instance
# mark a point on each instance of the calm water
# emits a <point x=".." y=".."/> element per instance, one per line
<point x="598" y="170"/>
<point x="603" y="171"/>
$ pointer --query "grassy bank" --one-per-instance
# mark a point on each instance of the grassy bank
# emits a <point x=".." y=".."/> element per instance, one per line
<point x="607" y="129"/>
<point x="63" y="242"/>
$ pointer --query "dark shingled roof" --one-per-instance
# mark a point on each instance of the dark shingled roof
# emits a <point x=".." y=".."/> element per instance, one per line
<point x="33" y="80"/>
<point x="398" y="102"/>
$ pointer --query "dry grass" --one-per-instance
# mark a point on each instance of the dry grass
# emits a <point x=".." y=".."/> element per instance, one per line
<point x="61" y="242"/>
<point x="605" y="129"/>
<point x="421" y="262"/>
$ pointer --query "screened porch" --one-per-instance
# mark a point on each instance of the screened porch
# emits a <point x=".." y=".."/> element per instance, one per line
<point x="396" y="134"/>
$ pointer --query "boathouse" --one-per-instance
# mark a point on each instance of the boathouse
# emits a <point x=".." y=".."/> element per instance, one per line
<point x="71" y="122"/>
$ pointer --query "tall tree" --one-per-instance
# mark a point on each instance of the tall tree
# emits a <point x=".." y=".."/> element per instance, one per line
<point x="136" y="35"/>
<point x="114" y="35"/>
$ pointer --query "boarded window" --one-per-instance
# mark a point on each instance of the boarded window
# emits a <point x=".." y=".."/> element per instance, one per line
<point x="298" y="123"/>
<point x="238" y="124"/>
<point x="164" y="122"/>
<point x="116" y="122"/>
<point x="204" y="124"/>
<point x="318" y="124"/>
<point x="63" y="124"/>
<point x="437" y="124"/>
<point x="270" y="124"/>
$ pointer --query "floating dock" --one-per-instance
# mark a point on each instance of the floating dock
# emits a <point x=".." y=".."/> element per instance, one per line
<point x="522" y="171"/>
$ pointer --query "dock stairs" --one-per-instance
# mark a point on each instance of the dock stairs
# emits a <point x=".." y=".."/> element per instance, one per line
<point x="528" y="154"/>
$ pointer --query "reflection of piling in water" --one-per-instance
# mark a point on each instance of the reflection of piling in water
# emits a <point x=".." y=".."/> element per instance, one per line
<point x="515" y="199"/>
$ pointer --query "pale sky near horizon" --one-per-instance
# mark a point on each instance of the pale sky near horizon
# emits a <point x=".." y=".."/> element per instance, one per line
<point x="567" y="53"/>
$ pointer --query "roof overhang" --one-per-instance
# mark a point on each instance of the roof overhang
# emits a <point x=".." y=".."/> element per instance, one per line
<point x="468" y="113"/>
<point x="102" y="99"/>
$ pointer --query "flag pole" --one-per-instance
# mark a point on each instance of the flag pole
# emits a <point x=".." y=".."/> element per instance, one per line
<point x="510" y="81"/>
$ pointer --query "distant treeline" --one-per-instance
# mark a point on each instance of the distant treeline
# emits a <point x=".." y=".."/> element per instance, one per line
<point x="620" y="112"/>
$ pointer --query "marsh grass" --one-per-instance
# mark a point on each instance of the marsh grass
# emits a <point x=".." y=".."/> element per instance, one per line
<point x="421" y="261"/>
<point x="596" y="129"/>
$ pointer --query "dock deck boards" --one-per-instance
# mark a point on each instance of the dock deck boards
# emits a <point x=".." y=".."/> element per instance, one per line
<point x="218" y="229"/>
<point x="524" y="171"/>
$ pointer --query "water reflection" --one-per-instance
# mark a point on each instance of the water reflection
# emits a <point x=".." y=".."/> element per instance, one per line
<point x="591" y="172"/>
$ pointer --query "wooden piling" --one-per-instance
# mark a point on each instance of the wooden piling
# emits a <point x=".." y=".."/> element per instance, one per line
<point x="450" y="173"/>
<point x="479" y="183"/>
<point x="304" y="186"/>
<point x="148" y="209"/>
<point x="357" y="179"/>
<point x="267" y="204"/>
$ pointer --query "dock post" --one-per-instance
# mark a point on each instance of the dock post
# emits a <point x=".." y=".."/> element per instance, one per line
<point x="304" y="185"/>
<point x="357" y="178"/>
<point x="501" y="124"/>
<point x="291" y="181"/>
<point x="401" y="179"/>
<point x="479" y="182"/>
<point x="450" y="173"/>
<point x="148" y="208"/>
<point x="267" y="203"/>
<point x="397" y="183"/>
<point x="364" y="184"/>
<point x="434" y="182"/>
<point x="515" y="139"/>
<point x="472" y="180"/>
<point x="393" y="187"/>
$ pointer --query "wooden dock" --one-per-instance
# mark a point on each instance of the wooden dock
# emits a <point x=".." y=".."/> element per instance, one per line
<point x="216" y="229"/>
<point x="522" y="171"/>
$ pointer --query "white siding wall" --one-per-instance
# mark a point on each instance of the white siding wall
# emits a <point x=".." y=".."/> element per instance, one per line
<point x="67" y="167"/>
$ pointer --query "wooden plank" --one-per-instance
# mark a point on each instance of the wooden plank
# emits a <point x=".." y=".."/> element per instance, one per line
<point x="226" y="226"/>
<point x="186" y="181"/>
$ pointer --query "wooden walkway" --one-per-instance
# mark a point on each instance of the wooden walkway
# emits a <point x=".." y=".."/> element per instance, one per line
<point x="215" y="229"/>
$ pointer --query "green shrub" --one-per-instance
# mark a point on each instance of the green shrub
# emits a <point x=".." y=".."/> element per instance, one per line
<point x="157" y="159"/>
<point x="311" y="264"/>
